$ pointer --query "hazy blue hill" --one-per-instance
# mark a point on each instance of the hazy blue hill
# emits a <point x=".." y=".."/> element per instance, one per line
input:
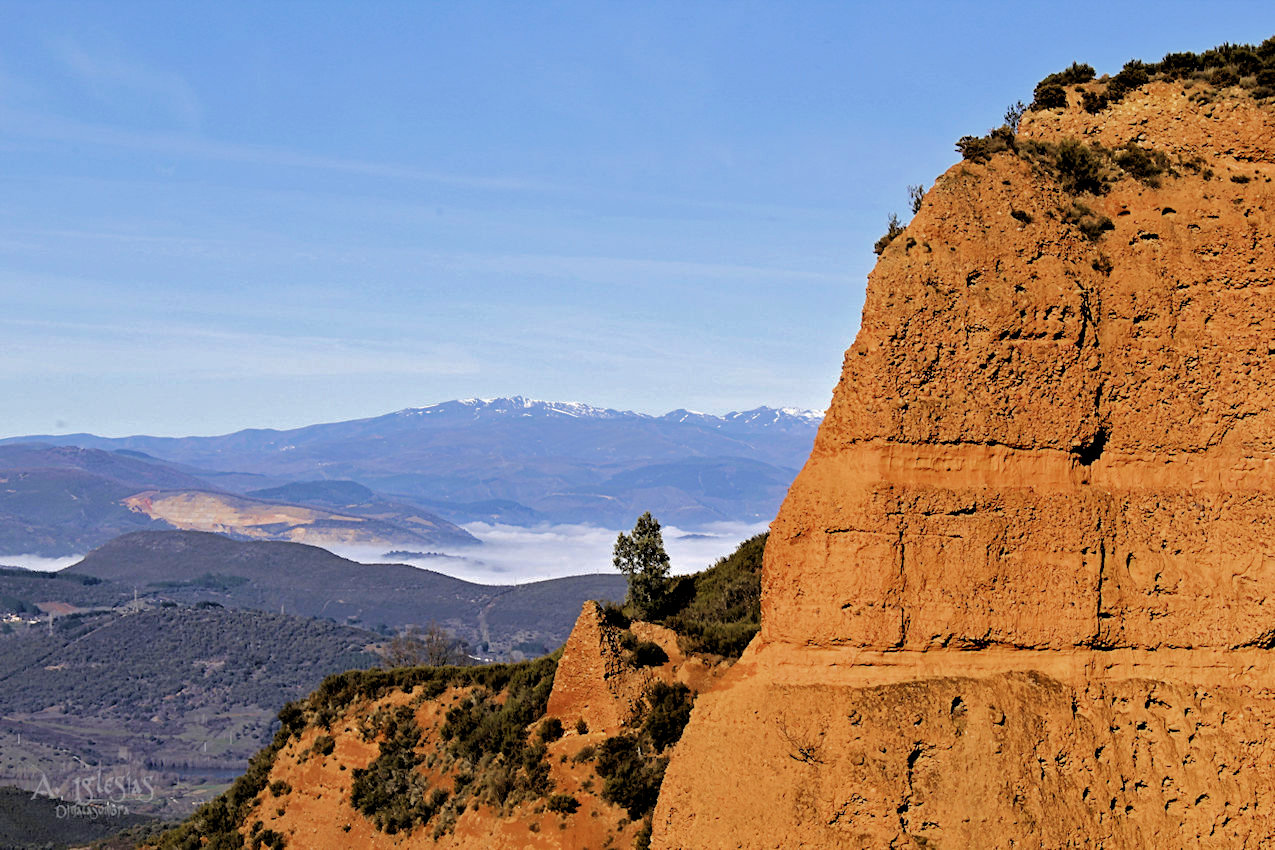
<point x="57" y="511"/>
<point x="33" y="824"/>
<point x="350" y="497"/>
<point x="27" y="588"/>
<point x="128" y="468"/>
<point x="180" y="694"/>
<point x="538" y="461"/>
<point x="173" y="660"/>
<point x="328" y="493"/>
<point x="190" y="567"/>
<point x="60" y="500"/>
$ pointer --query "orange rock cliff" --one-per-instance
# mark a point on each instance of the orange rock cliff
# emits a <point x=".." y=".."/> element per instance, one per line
<point x="1023" y="592"/>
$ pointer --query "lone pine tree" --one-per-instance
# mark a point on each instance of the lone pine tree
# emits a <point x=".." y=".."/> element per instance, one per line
<point x="641" y="557"/>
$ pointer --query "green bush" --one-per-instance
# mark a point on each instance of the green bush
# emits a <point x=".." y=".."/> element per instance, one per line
<point x="1091" y="224"/>
<point x="390" y="791"/>
<point x="613" y="615"/>
<point x="1225" y="77"/>
<point x="550" y="730"/>
<point x="1141" y="163"/>
<point x="1079" y="167"/>
<point x="668" y="714"/>
<point x="648" y="654"/>
<point x="629" y="779"/>
<point x="893" y="229"/>
<point x="324" y="745"/>
<point x="981" y="148"/>
<point x="1014" y="114"/>
<point x="563" y="804"/>
<point x="1050" y="97"/>
<point x="1073" y="75"/>
<point x="1093" y="102"/>
<point x="1131" y="76"/>
<point x="268" y="838"/>
<point x="718" y="610"/>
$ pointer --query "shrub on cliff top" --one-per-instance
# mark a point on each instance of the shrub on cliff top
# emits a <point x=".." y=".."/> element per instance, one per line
<point x="1050" y="97"/>
<point x="1050" y="93"/>
<point x="1221" y="66"/>
<point x="981" y="148"/>
<point x="893" y="229"/>
<point x="1073" y="75"/>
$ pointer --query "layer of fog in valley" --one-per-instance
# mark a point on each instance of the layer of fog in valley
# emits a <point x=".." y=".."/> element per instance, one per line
<point x="512" y="554"/>
<point x="39" y="562"/>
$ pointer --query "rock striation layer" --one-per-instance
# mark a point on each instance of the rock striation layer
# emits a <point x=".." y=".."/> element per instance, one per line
<point x="1023" y="591"/>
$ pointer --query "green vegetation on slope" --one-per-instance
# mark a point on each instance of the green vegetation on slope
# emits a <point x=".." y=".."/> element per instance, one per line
<point x="188" y="693"/>
<point x="718" y="610"/>
<point x="1250" y="67"/>
<point x="172" y="661"/>
<point x="390" y="791"/>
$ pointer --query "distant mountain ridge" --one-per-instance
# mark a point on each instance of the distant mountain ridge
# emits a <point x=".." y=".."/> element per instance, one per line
<point x="519" y="460"/>
<point x="62" y="500"/>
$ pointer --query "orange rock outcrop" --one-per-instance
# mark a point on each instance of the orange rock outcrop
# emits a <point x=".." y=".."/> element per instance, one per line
<point x="595" y="681"/>
<point x="1023" y="592"/>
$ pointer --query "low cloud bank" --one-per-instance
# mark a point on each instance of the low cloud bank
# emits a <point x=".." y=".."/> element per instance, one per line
<point x="512" y="554"/>
<point x="39" y="562"/>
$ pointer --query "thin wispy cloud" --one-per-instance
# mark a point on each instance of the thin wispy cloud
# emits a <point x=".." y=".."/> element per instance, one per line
<point x="114" y="80"/>
<point x="26" y="123"/>
<point x="192" y="352"/>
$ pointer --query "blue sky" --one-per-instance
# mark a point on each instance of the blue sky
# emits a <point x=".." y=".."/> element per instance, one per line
<point x="223" y="215"/>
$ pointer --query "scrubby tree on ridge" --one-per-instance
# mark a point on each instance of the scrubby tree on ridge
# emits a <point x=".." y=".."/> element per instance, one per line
<point x="641" y="557"/>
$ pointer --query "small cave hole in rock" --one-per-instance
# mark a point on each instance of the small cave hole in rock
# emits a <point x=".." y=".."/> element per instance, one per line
<point x="1087" y="453"/>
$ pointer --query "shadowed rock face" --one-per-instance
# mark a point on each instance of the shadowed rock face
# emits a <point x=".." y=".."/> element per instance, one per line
<point x="1023" y="590"/>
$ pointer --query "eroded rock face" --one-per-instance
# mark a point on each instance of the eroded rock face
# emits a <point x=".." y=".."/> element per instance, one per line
<point x="595" y="680"/>
<point x="1044" y="488"/>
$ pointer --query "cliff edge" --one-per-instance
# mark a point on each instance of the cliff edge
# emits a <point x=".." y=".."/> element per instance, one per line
<point x="1023" y="591"/>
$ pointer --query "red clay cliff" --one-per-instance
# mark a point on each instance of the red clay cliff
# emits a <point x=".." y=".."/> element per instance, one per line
<point x="1023" y="592"/>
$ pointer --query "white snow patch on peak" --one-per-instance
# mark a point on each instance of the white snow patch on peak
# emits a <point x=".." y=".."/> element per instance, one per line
<point x="505" y="405"/>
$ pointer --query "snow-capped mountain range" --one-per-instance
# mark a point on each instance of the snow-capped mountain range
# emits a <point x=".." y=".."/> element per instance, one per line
<point x="519" y="460"/>
<point x="521" y="406"/>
